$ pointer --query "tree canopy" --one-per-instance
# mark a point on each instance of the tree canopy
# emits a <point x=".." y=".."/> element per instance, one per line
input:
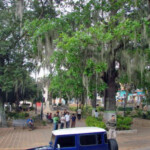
<point x="89" y="47"/>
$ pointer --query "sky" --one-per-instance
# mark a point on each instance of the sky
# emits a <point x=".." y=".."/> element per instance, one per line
<point x="42" y="73"/>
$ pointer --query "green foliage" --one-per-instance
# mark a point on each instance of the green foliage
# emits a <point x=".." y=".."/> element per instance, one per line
<point x="88" y="44"/>
<point x="44" y="123"/>
<point x="14" y="115"/>
<point x="87" y="111"/>
<point x="92" y="67"/>
<point x="15" y="57"/>
<point x="94" y="122"/>
<point x="124" y="79"/>
<point x="100" y="109"/>
<point x="124" y="123"/>
<point x="71" y="108"/>
<point x="126" y="109"/>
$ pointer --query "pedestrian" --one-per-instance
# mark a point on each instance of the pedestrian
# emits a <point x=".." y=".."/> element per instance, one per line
<point x="96" y="114"/>
<point x="67" y="117"/>
<point x="55" y="122"/>
<point x="47" y="116"/>
<point x="79" y="113"/>
<point x="73" y="122"/>
<point x="62" y="121"/>
<point x="65" y="112"/>
<point x="144" y="112"/>
<point x="50" y="118"/>
<point x="111" y="125"/>
<point x="57" y="112"/>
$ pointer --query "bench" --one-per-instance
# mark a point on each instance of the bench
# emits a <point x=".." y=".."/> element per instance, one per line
<point x="19" y="123"/>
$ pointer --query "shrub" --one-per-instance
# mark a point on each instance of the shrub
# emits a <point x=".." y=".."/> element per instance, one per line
<point x="126" y="109"/>
<point x="86" y="111"/>
<point x="26" y="114"/>
<point x="100" y="108"/>
<point x="11" y="114"/>
<point x="15" y="115"/>
<point x="44" y="123"/>
<point x="124" y="123"/>
<point x="95" y="122"/>
<point x="139" y="113"/>
<point x="73" y="108"/>
<point x="31" y="108"/>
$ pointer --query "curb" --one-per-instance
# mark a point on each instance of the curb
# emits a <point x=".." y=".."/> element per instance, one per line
<point x="127" y="132"/>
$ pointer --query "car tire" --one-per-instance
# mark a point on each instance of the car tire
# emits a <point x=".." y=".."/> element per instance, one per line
<point x="112" y="144"/>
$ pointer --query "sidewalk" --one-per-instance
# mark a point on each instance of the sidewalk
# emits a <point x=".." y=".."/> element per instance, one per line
<point x="139" y="141"/>
<point x="20" y="139"/>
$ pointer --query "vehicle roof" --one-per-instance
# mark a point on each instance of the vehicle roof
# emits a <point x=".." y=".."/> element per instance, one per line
<point x="77" y="130"/>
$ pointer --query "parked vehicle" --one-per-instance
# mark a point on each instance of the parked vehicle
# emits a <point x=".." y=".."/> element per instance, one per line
<point x="25" y="105"/>
<point x="85" y="138"/>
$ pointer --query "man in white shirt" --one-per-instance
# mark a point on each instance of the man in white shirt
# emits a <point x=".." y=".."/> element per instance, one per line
<point x="79" y="113"/>
<point x="62" y="121"/>
<point x="67" y="116"/>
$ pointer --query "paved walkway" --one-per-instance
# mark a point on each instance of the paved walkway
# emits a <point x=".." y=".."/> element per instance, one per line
<point x="139" y="141"/>
<point x="20" y="139"/>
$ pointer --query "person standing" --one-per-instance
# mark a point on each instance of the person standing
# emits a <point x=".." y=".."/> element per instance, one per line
<point x="111" y="125"/>
<point x="96" y="114"/>
<point x="79" y="113"/>
<point x="55" y="122"/>
<point x="62" y="121"/>
<point x="73" y="123"/>
<point x="67" y="116"/>
<point x="65" y="112"/>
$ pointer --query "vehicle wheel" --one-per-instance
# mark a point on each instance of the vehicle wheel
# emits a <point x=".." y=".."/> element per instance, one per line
<point x="112" y="144"/>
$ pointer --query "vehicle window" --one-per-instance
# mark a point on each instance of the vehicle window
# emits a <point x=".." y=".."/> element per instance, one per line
<point x="68" y="141"/>
<point x="105" y="138"/>
<point x="99" y="138"/>
<point x="88" y="140"/>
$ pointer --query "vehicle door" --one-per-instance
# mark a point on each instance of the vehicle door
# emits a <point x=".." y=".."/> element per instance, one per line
<point x="91" y="142"/>
<point x="67" y="142"/>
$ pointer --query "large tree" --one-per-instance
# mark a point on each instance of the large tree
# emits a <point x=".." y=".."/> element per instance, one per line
<point x="15" y="52"/>
<point x="100" y="42"/>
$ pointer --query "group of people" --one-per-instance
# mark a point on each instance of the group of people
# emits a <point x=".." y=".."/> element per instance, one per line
<point x="49" y="117"/>
<point x="64" y="120"/>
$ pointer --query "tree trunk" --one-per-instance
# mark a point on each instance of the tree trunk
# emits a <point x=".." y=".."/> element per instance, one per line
<point x="110" y="92"/>
<point x="125" y="102"/>
<point x="83" y="98"/>
<point x="2" y="112"/>
<point x="50" y="97"/>
<point x="93" y="101"/>
<point x="17" y="101"/>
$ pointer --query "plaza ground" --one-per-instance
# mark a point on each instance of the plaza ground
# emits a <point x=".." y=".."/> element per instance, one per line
<point x="20" y="139"/>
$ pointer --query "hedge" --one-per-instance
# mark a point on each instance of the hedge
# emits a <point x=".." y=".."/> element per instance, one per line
<point x="95" y="122"/>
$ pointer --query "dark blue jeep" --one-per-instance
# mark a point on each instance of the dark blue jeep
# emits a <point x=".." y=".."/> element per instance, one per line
<point x="86" y="138"/>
